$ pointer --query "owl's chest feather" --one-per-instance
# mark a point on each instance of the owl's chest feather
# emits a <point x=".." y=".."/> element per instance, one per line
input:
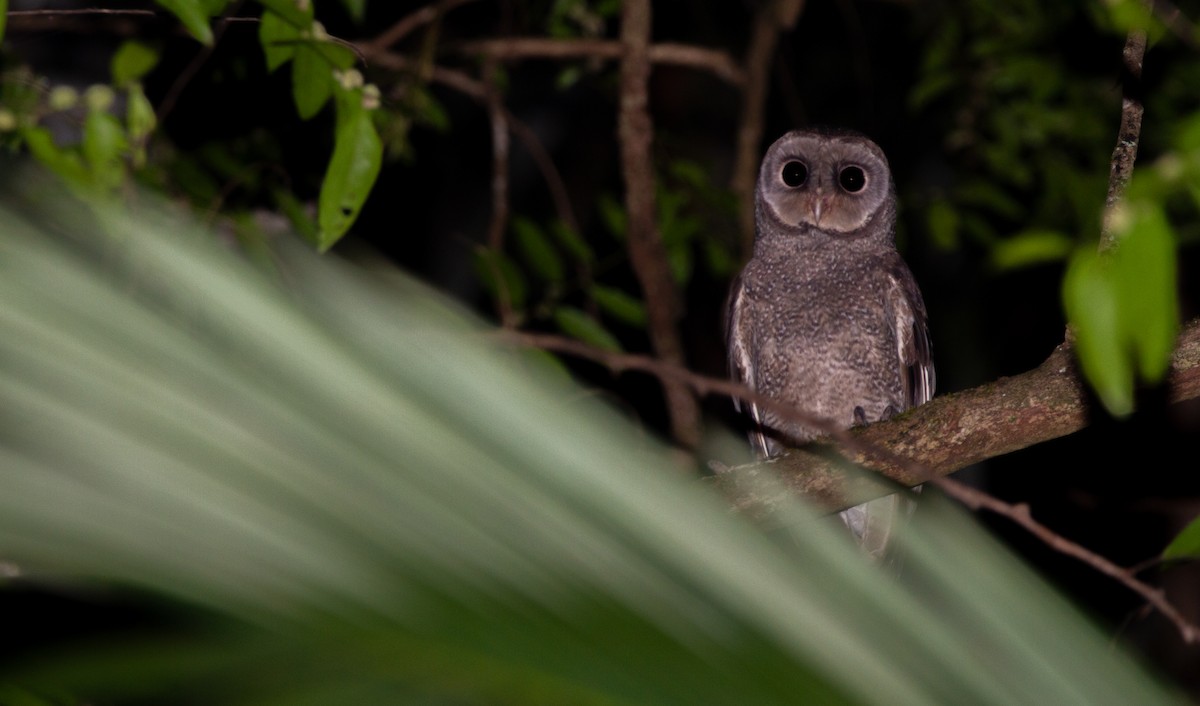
<point x="821" y="331"/>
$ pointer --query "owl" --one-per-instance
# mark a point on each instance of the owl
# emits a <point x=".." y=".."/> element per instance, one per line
<point x="826" y="317"/>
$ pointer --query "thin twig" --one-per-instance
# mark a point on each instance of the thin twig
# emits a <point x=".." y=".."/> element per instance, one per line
<point x="468" y="86"/>
<point x="1019" y="513"/>
<point x="773" y="19"/>
<point x="714" y="61"/>
<point x="84" y="11"/>
<point x="497" y="117"/>
<point x="646" y="251"/>
<point x="1175" y="21"/>
<point x="1125" y="152"/>
<point x="189" y="72"/>
<point x="410" y="22"/>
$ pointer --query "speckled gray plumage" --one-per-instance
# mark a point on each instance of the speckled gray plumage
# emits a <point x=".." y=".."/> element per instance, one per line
<point x="826" y="316"/>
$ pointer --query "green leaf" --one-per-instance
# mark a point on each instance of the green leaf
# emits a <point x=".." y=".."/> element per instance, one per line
<point x="140" y="121"/>
<point x="502" y="278"/>
<point x="297" y="215"/>
<point x="613" y="215"/>
<point x="1145" y="270"/>
<point x="1030" y="247"/>
<point x="337" y="55"/>
<point x="104" y="144"/>
<point x="3" y="17"/>
<point x="426" y="110"/>
<point x="1186" y="544"/>
<point x="298" y="13"/>
<point x="278" y="38"/>
<point x="943" y="224"/>
<point x="1091" y="300"/>
<point x="357" y="156"/>
<point x="131" y="62"/>
<point x="718" y="254"/>
<point x="572" y="242"/>
<point x="67" y="164"/>
<point x="568" y="76"/>
<point x="690" y="173"/>
<point x="619" y="305"/>
<point x="537" y="250"/>
<point x="312" y="80"/>
<point x="580" y="325"/>
<point x="356" y="8"/>
<point x="1187" y="134"/>
<point x="194" y="16"/>
<point x="679" y="259"/>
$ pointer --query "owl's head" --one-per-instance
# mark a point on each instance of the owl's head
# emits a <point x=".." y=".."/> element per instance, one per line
<point x="833" y="181"/>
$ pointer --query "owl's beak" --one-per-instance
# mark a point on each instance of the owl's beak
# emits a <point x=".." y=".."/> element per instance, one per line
<point x="820" y="204"/>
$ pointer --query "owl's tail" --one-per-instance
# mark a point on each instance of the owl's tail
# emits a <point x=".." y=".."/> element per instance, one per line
<point x="876" y="522"/>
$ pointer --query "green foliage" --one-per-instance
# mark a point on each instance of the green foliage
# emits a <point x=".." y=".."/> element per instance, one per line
<point x="582" y="326"/>
<point x="1030" y="247"/>
<point x="619" y="305"/>
<point x="1028" y="128"/>
<point x="357" y="156"/>
<point x="502" y="278"/>
<point x="279" y="33"/>
<point x="380" y="508"/>
<point x="194" y="14"/>
<point x="538" y="252"/>
<point x="321" y="71"/>
<point x="132" y="61"/>
<point x="1122" y="306"/>
<point x="695" y="220"/>
<point x="111" y="149"/>
<point x="108" y="149"/>
<point x="1186" y="544"/>
<point x="356" y="8"/>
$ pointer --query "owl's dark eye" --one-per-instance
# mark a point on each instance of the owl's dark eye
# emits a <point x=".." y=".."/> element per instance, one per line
<point x="852" y="179"/>
<point x="795" y="174"/>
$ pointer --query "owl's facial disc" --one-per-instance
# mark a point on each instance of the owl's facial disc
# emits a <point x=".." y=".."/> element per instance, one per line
<point x="824" y="200"/>
<point x="834" y="184"/>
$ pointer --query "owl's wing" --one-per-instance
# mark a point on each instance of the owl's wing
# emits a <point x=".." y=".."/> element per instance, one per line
<point x="910" y="324"/>
<point x="741" y="365"/>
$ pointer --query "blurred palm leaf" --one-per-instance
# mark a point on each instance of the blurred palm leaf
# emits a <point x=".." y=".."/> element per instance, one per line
<point x="374" y="506"/>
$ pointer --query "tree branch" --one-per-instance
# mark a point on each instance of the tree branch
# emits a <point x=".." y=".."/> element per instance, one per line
<point x="1125" y="152"/>
<point x="405" y="25"/>
<point x="1020" y="514"/>
<point x="773" y="19"/>
<point x="468" y="86"/>
<point x="497" y="116"/>
<point x="921" y="446"/>
<point x="646" y="250"/>
<point x="714" y="61"/>
<point x="939" y="437"/>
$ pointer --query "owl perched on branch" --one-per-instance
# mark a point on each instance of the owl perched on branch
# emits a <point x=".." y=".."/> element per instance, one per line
<point x="826" y="317"/>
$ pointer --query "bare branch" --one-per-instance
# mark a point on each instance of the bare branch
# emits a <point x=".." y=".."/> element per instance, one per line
<point x="499" y="122"/>
<point x="949" y="432"/>
<point x="937" y="438"/>
<point x="410" y="22"/>
<point x="1175" y="21"/>
<point x="468" y="86"/>
<point x="1125" y="152"/>
<point x="773" y="19"/>
<point x="646" y="251"/>
<point x="714" y="61"/>
<point x="977" y="500"/>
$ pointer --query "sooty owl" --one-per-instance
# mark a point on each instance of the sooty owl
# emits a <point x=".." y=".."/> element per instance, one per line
<point x="826" y="317"/>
